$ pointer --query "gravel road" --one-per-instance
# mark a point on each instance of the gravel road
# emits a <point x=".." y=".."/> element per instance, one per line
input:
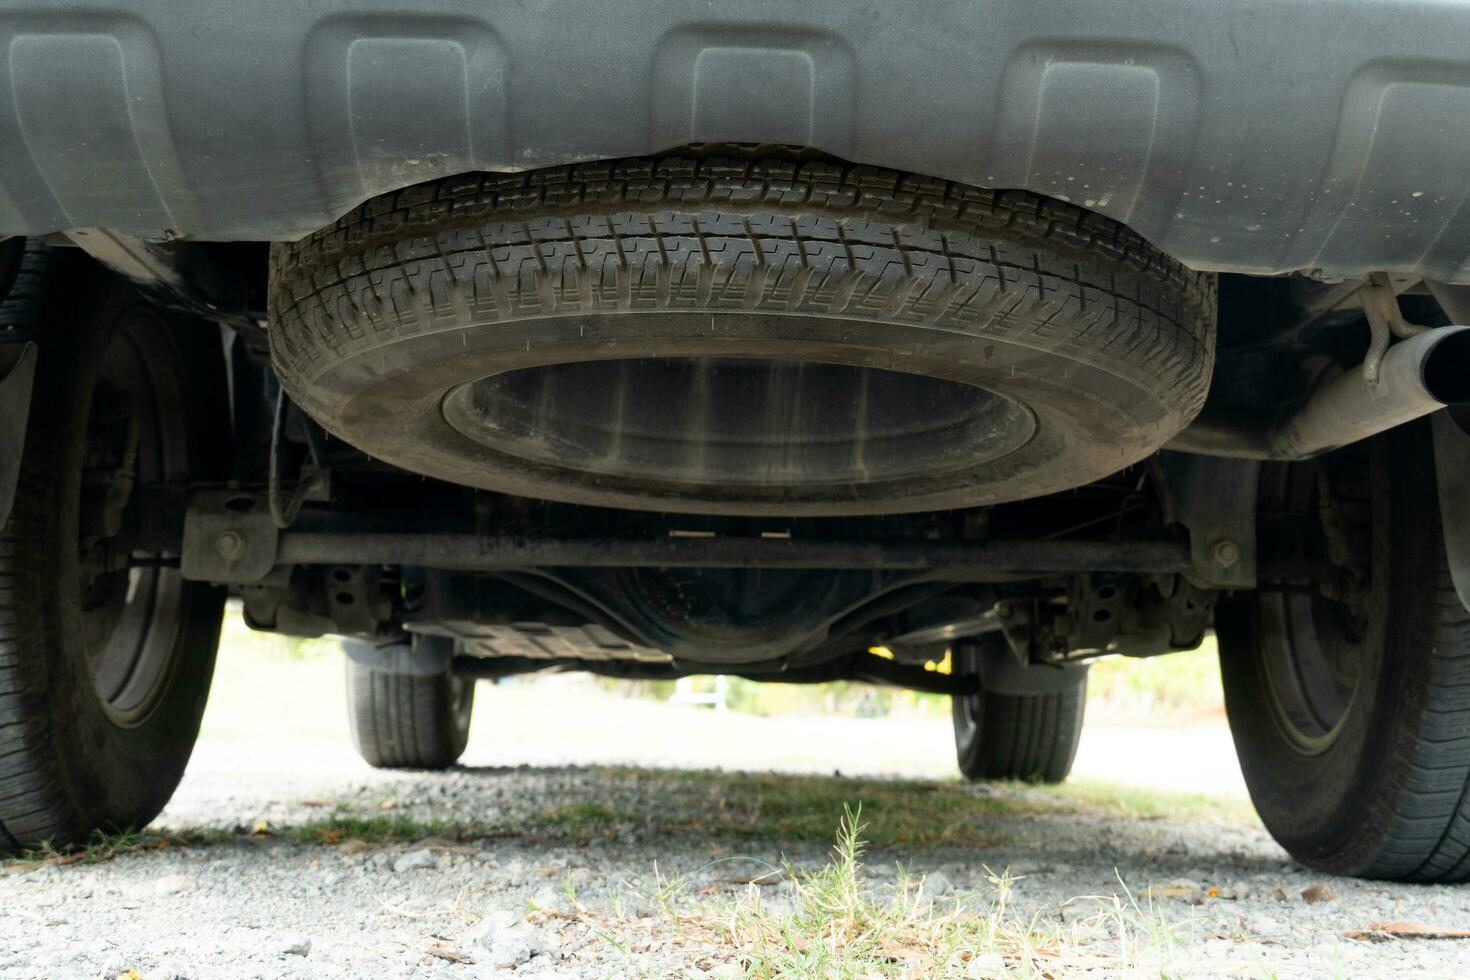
<point x="568" y="871"/>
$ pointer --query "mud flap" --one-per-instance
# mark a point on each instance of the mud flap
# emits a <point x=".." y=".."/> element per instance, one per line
<point x="17" y="377"/>
<point x="1452" y="468"/>
<point x="1001" y="672"/>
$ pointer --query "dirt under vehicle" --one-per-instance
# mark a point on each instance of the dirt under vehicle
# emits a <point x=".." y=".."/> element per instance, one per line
<point x="744" y="338"/>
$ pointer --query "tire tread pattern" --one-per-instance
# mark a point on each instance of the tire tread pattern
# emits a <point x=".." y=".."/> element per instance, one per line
<point x="755" y="235"/>
<point x="37" y="805"/>
<point x="402" y="722"/>
<point x="1033" y="739"/>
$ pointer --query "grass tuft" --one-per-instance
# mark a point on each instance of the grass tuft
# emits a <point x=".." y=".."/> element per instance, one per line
<point x="836" y="926"/>
<point x="378" y="829"/>
<point x="832" y="923"/>
<point x="104" y="846"/>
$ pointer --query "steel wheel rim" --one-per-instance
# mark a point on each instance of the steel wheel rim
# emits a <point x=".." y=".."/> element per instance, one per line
<point x="1312" y="654"/>
<point x="131" y="613"/>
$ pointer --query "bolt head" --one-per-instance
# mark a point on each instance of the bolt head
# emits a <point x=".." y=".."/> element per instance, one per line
<point x="230" y="545"/>
<point x="1225" y="553"/>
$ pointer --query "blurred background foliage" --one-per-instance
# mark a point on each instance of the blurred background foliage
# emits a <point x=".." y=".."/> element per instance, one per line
<point x="1179" y="688"/>
<point x="1169" y="690"/>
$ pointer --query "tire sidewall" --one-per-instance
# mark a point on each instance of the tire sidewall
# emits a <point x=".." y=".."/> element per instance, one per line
<point x="1089" y="421"/>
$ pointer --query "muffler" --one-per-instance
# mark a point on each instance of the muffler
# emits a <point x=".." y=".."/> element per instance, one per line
<point x="1427" y="372"/>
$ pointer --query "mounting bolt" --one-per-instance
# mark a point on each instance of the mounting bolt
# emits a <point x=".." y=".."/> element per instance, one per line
<point x="1225" y="553"/>
<point x="230" y="545"/>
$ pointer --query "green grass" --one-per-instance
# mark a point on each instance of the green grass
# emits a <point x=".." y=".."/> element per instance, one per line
<point x="104" y="846"/>
<point x="338" y="828"/>
<point x="1143" y="803"/>
<point x="707" y="805"/>
<point x="376" y="829"/>
<point x="897" y="812"/>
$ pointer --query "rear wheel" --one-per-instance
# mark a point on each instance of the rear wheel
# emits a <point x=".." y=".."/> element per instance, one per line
<point x="1000" y="736"/>
<point x="105" y="655"/>
<point x="1349" y="692"/>
<point x="401" y="721"/>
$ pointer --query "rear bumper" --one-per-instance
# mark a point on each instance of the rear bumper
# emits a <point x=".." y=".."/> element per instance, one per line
<point x="1248" y="135"/>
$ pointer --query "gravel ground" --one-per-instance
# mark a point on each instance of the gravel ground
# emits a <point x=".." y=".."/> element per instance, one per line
<point x="574" y="879"/>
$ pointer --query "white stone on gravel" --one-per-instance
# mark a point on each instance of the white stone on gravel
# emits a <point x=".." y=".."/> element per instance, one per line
<point x="1218" y="948"/>
<point x="935" y="884"/>
<point x="175" y="884"/>
<point x="296" y="946"/>
<point x="114" y="966"/>
<point x="510" y="941"/>
<point x="173" y="970"/>
<point x="1264" y="926"/>
<point x="414" y="860"/>
<point x="985" y="966"/>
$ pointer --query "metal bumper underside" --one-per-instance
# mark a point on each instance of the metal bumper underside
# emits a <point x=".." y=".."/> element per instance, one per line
<point x="1248" y="135"/>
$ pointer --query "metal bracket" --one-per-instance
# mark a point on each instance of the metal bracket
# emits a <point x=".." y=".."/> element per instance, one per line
<point x="941" y="635"/>
<point x="354" y="600"/>
<point x="1214" y="498"/>
<point x="422" y="655"/>
<point x="1452" y="470"/>
<point x="155" y="270"/>
<point x="229" y="537"/>
<point x="1381" y="307"/>
<point x="15" y="412"/>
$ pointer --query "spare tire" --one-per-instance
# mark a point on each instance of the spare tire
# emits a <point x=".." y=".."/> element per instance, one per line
<point x="741" y="337"/>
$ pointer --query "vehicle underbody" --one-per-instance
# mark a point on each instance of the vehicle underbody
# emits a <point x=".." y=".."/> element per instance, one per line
<point x="782" y="383"/>
<point x="316" y="536"/>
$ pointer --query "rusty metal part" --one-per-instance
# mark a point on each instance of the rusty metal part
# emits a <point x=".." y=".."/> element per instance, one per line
<point x="480" y="553"/>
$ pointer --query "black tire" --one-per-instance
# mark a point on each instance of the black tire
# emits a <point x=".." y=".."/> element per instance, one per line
<point x="1350" y="714"/>
<point x="397" y="326"/>
<point x="104" y="670"/>
<point x="400" y="721"/>
<point x="1034" y="739"/>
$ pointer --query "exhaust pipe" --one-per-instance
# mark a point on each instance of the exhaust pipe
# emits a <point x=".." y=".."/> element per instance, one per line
<point x="1415" y="377"/>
